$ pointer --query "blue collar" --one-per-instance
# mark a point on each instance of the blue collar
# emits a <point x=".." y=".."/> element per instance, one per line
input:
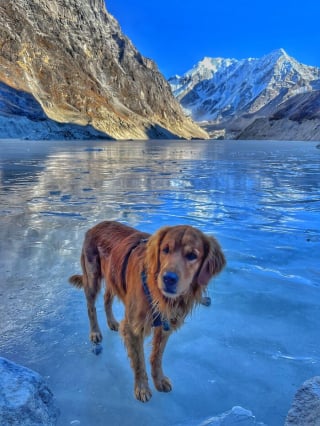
<point x="157" y="318"/>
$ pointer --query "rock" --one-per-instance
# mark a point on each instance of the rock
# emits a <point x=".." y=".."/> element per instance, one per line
<point x="234" y="417"/>
<point x="25" y="399"/>
<point x="74" y="60"/>
<point x="305" y="409"/>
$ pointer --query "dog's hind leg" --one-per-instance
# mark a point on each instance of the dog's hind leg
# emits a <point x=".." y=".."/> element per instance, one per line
<point x="91" y="286"/>
<point x="108" y="299"/>
<point x="95" y="333"/>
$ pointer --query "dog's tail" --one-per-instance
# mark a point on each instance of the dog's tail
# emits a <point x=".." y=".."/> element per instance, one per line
<point x="76" y="280"/>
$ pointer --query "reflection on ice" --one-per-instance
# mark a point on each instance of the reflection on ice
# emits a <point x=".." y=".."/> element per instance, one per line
<point x="259" y="339"/>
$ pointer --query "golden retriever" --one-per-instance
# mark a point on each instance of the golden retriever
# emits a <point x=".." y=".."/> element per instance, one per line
<point x="158" y="277"/>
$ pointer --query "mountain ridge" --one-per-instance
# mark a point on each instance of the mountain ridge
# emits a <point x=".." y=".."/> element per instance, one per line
<point x="233" y="94"/>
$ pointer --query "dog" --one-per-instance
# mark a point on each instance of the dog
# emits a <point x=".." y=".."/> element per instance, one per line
<point x="159" y="278"/>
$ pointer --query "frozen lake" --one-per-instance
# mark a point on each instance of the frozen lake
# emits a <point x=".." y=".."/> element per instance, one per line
<point x="257" y="342"/>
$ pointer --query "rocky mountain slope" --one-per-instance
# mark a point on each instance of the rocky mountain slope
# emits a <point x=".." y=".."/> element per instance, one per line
<point x="22" y="117"/>
<point x="231" y="94"/>
<point x="298" y="118"/>
<point x="71" y="58"/>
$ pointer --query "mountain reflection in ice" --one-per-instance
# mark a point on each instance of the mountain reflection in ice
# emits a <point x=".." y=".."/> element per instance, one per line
<point x="257" y="342"/>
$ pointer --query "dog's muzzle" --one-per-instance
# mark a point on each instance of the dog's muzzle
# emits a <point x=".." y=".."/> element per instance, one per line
<point x="170" y="282"/>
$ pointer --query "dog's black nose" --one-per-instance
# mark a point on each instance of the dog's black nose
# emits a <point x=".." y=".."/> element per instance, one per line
<point x="170" y="280"/>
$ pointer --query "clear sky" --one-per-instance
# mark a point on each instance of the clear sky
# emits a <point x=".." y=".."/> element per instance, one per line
<point x="176" y="34"/>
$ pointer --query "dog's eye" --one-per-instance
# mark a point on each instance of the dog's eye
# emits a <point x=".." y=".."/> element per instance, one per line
<point x="191" y="256"/>
<point x="165" y="250"/>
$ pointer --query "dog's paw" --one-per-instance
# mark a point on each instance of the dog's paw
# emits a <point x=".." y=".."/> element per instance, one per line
<point x="163" y="384"/>
<point x="142" y="392"/>
<point x="96" y="336"/>
<point x="113" y="325"/>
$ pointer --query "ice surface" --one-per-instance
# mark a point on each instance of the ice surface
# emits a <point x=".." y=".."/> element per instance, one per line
<point x="256" y="343"/>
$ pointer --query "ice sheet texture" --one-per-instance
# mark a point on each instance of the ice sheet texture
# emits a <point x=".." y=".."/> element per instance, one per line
<point x="256" y="343"/>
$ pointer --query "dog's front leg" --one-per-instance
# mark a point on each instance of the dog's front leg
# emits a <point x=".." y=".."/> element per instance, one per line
<point x="134" y="345"/>
<point x="108" y="299"/>
<point x="160" y="338"/>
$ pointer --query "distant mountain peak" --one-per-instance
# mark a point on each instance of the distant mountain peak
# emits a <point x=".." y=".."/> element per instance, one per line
<point x="277" y="55"/>
<point x="207" y="67"/>
<point x="220" y="90"/>
<point x="213" y="63"/>
<point x="279" y="52"/>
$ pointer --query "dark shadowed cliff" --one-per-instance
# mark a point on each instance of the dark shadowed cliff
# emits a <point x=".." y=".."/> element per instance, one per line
<point x="298" y="118"/>
<point x="72" y="58"/>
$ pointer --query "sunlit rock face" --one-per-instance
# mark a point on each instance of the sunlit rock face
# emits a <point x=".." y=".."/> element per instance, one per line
<point x="22" y="117"/>
<point x="73" y="58"/>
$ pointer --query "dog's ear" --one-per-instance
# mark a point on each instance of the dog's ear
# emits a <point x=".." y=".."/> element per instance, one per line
<point x="153" y="251"/>
<point x="213" y="262"/>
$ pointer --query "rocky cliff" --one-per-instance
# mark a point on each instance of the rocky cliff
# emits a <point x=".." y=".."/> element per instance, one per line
<point x="71" y="57"/>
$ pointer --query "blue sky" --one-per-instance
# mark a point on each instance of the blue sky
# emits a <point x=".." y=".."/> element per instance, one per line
<point x="176" y="34"/>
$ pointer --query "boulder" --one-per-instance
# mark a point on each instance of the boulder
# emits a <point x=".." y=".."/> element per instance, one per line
<point x="305" y="409"/>
<point x="25" y="399"/>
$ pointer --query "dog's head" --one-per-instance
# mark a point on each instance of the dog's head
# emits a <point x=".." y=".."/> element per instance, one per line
<point x="180" y="257"/>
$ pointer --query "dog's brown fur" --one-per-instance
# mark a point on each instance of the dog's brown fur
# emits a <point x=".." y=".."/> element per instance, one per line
<point x="120" y="255"/>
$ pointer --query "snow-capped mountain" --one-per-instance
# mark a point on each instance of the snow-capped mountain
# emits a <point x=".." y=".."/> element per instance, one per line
<point x="203" y="70"/>
<point x="219" y="90"/>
